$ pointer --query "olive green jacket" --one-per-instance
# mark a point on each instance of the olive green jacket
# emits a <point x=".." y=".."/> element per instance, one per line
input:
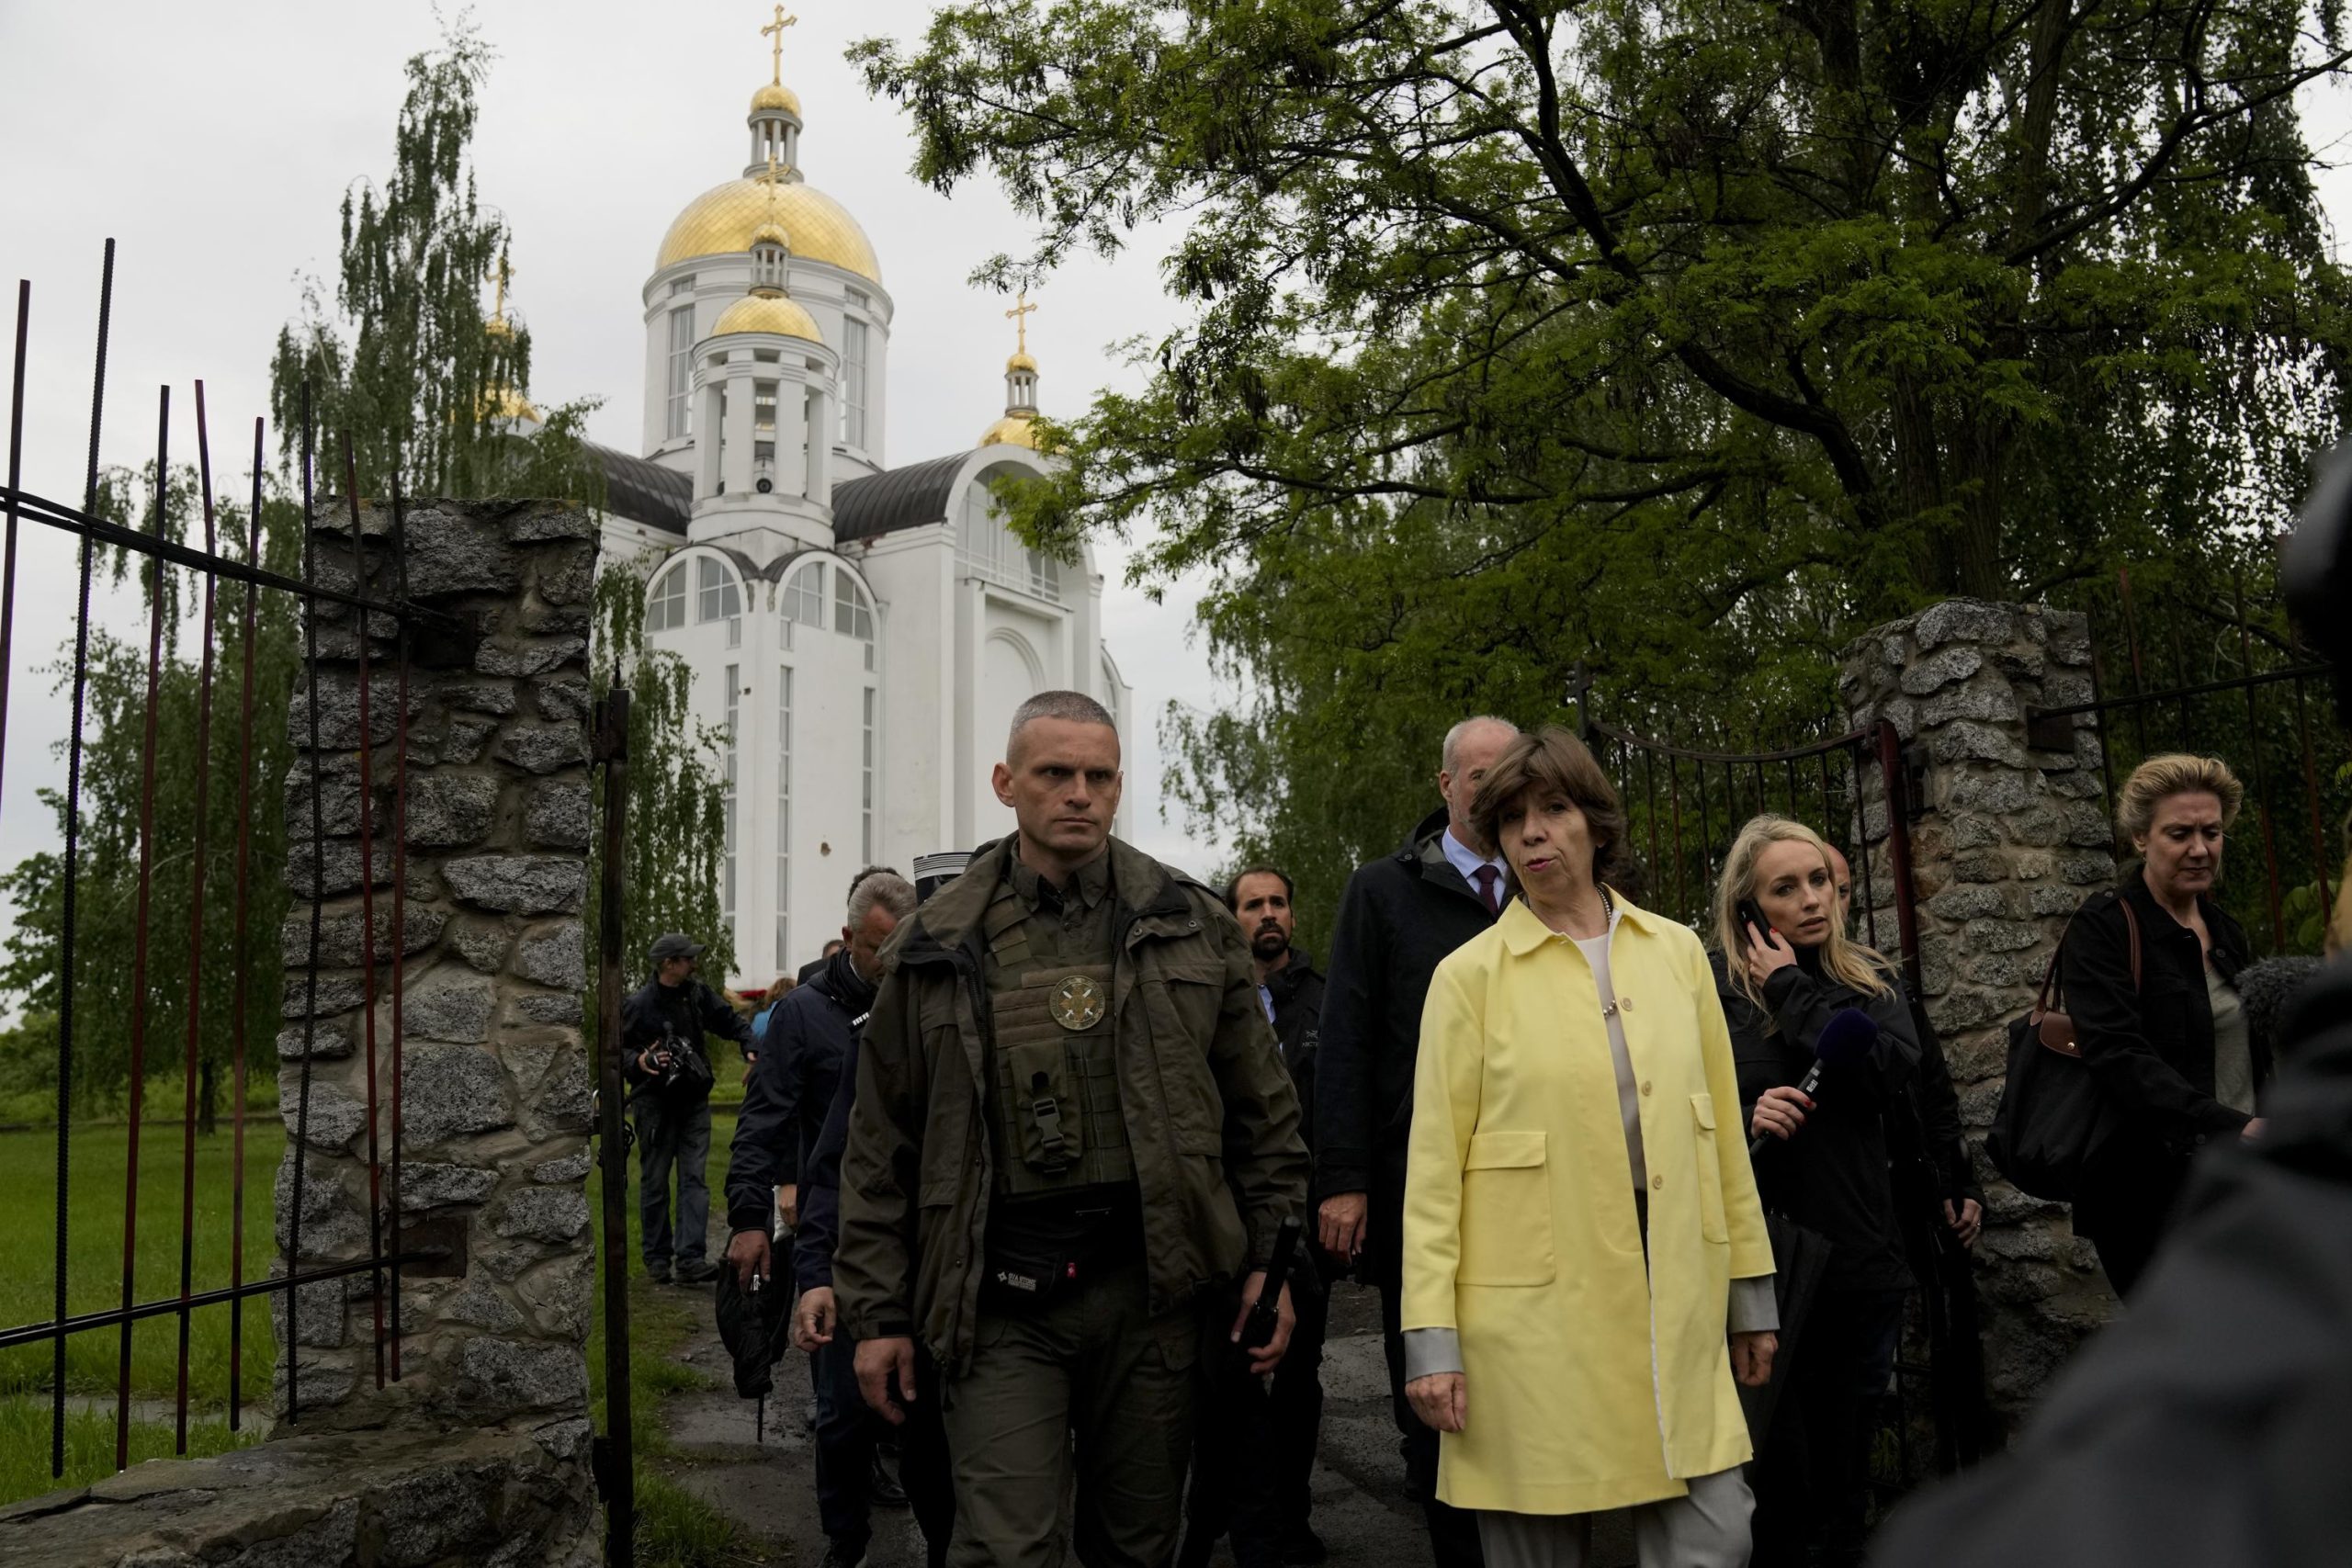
<point x="1200" y="1081"/>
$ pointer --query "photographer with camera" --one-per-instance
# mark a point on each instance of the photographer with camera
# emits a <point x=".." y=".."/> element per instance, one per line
<point x="669" y="1076"/>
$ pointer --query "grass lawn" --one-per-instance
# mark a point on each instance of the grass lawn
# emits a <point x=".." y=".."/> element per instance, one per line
<point x="100" y="1156"/>
<point x="676" y="1530"/>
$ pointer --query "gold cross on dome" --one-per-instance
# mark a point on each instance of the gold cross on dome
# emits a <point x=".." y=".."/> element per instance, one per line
<point x="776" y="52"/>
<point x="498" y="312"/>
<point x="1019" y="316"/>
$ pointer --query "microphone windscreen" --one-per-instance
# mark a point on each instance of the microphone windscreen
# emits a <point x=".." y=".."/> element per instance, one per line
<point x="1847" y="1037"/>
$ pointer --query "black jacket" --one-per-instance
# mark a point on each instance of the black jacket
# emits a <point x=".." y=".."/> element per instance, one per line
<point x="1400" y="916"/>
<point x="2207" y="1427"/>
<point x="2150" y="1050"/>
<point x="1298" y="992"/>
<point x="1925" y="1138"/>
<point x="655" y="1011"/>
<point x="1833" y="1175"/>
<point x="791" y="1088"/>
<point x="820" y="1185"/>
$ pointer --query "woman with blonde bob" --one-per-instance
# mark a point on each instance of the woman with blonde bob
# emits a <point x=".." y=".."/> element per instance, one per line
<point x="1581" y="1230"/>
<point x="2167" y="1045"/>
<point x="1785" y="968"/>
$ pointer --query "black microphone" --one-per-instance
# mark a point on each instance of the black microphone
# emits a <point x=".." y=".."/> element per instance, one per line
<point x="1847" y="1037"/>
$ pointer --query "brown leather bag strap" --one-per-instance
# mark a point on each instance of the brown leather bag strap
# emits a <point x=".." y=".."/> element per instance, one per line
<point x="2049" y="986"/>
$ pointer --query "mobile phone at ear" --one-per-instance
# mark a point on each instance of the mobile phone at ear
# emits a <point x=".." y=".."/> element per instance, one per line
<point x="1749" y="915"/>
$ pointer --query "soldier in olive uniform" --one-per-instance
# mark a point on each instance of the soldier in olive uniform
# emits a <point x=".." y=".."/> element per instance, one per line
<point x="1066" y="1049"/>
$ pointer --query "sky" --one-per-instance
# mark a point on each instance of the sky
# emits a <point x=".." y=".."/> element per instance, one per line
<point x="215" y="143"/>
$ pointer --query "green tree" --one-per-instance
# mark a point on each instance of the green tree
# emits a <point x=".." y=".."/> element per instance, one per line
<point x="116" y="704"/>
<point x="1681" y="340"/>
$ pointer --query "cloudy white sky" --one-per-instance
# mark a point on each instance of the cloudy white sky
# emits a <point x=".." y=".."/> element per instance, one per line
<point x="215" y="142"/>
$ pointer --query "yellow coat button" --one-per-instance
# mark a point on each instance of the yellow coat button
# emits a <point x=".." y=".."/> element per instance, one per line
<point x="1657" y="1182"/>
<point x="1624" y="1004"/>
<point x="1646" y="1086"/>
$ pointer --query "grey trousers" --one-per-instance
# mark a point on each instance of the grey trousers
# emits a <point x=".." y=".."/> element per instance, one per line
<point x="1708" y="1529"/>
<point x="1096" y="1367"/>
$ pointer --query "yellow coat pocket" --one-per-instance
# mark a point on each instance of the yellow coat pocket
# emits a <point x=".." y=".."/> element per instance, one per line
<point x="1506" y="1210"/>
<point x="1711" y="1170"/>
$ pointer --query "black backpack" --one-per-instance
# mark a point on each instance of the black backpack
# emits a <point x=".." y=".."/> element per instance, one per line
<point x="2052" y="1115"/>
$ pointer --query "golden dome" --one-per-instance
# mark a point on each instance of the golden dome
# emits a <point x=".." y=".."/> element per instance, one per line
<point x="505" y="402"/>
<point x="721" y="222"/>
<point x="1022" y="362"/>
<point x="776" y="95"/>
<point x="771" y="234"/>
<point x="767" y="313"/>
<point x="1012" y="430"/>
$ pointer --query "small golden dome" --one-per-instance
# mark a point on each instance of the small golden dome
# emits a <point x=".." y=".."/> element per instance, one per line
<point x="720" y="222"/>
<point x="767" y="313"/>
<point x="506" y="403"/>
<point x="771" y="234"/>
<point x="776" y="95"/>
<point x="1022" y="362"/>
<point x="1012" y="430"/>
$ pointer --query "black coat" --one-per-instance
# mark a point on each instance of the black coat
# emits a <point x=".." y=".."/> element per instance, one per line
<point x="1400" y="916"/>
<point x="1832" y="1177"/>
<point x="1298" y="992"/>
<point x="2207" y="1427"/>
<point x="655" y="1011"/>
<point x="791" y="1088"/>
<point x="2150" y="1050"/>
<point x="820" y="1185"/>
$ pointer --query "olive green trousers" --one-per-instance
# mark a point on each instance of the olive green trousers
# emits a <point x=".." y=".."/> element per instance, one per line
<point x="1091" y="1388"/>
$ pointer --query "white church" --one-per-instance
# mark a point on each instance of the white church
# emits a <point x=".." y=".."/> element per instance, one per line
<point x="861" y="632"/>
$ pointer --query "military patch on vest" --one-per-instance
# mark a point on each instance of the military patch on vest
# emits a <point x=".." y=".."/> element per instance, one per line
<point x="1077" y="1003"/>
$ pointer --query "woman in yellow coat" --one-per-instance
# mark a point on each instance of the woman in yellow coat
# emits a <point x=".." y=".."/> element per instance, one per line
<point x="1586" y="1266"/>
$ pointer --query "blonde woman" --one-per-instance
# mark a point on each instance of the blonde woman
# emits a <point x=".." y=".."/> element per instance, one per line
<point x="1581" y="1230"/>
<point x="1787" y="969"/>
<point x="2173" y="1052"/>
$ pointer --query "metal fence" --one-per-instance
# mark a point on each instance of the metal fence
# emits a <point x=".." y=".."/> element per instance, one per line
<point x="2207" y="677"/>
<point x="207" y="571"/>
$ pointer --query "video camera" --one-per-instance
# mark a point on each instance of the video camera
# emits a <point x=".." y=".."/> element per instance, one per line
<point x="2316" y="571"/>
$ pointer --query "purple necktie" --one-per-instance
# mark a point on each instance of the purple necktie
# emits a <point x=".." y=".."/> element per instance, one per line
<point x="1488" y="877"/>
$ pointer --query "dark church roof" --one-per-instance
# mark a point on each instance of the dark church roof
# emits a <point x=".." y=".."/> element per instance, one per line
<point x="895" y="498"/>
<point x="643" y="491"/>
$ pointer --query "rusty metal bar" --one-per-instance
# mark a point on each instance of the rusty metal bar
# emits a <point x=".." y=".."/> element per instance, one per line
<point x="1862" y="845"/>
<point x="619" y="1473"/>
<point x="35" y="1332"/>
<point x="196" y="923"/>
<point x="2139" y="672"/>
<point x="16" y="478"/>
<point x="2203" y="688"/>
<point x="367" y="899"/>
<point x="317" y="895"/>
<point x="1898" y="848"/>
<point x="2314" y="798"/>
<point x="1706" y="839"/>
<point x="1689" y="754"/>
<point x="242" y="978"/>
<point x="2261" y="776"/>
<point x="1649" y="774"/>
<point x="1674" y="792"/>
<point x="400" y="883"/>
<point x="72" y="861"/>
<point x="143" y="904"/>
<point x="65" y="519"/>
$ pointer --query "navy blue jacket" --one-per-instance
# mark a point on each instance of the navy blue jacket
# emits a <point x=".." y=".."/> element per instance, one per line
<point x="820" y="1187"/>
<point x="791" y="1087"/>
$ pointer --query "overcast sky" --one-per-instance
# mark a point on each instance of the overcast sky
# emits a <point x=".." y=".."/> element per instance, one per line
<point x="215" y="142"/>
<point x="215" y="145"/>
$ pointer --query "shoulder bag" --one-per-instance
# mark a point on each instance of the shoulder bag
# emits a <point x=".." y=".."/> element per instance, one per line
<point x="2053" y="1115"/>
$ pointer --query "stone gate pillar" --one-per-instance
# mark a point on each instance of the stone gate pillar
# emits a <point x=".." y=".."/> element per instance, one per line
<point x="2007" y="836"/>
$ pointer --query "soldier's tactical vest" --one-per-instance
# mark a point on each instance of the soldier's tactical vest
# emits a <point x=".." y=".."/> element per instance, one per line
<point x="1059" y="1124"/>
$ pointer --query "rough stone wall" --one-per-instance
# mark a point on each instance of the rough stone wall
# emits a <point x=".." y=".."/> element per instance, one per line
<point x="480" y="1454"/>
<point x="2007" y="841"/>
<point x="496" y="1085"/>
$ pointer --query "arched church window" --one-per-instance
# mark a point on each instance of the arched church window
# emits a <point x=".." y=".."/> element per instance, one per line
<point x="667" y="607"/>
<point x="989" y="543"/>
<point x="716" y="595"/>
<point x="853" y="613"/>
<point x="804" y="595"/>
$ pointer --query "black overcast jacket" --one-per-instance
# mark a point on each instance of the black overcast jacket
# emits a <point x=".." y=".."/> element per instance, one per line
<point x="810" y="1035"/>
<point x="1400" y="916"/>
